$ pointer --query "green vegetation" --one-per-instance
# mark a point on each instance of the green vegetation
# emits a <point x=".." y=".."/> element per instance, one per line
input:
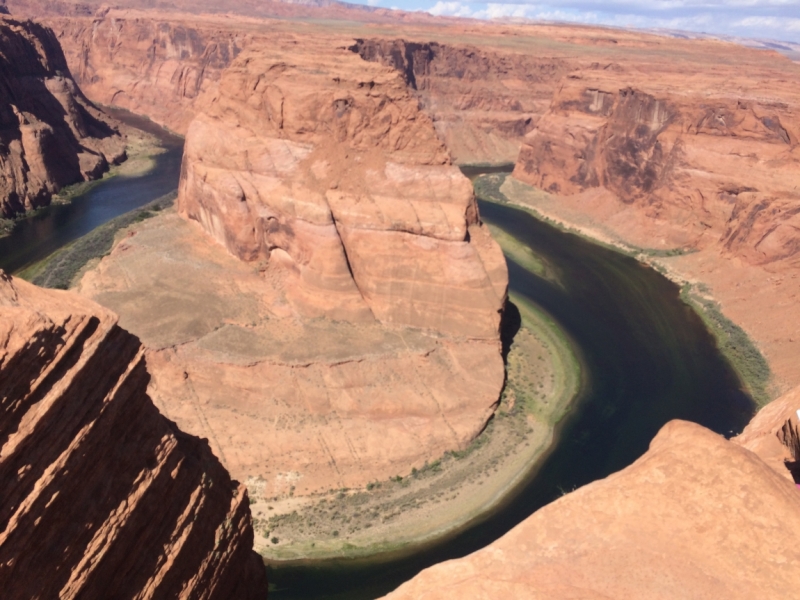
<point x="734" y="343"/>
<point x="60" y="268"/>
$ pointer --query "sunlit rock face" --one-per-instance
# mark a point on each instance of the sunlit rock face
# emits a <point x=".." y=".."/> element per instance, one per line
<point x="102" y="495"/>
<point x="50" y="134"/>
<point x="326" y="169"/>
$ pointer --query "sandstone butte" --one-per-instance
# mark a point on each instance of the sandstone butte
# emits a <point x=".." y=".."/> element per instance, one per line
<point x="102" y="496"/>
<point x="369" y="293"/>
<point x="671" y="145"/>
<point x="50" y="134"/>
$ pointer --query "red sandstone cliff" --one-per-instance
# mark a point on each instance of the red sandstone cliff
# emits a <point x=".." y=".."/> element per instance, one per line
<point x="102" y="496"/>
<point x="50" y="135"/>
<point x="483" y="101"/>
<point x="719" y="163"/>
<point x="323" y="165"/>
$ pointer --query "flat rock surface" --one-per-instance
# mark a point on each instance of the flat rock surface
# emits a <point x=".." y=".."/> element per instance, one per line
<point x="695" y="517"/>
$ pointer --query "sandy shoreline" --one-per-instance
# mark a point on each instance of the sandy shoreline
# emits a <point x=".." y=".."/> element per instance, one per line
<point x="414" y="508"/>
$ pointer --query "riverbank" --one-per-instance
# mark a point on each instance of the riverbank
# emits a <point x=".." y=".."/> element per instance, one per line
<point x="410" y="509"/>
<point x="142" y="148"/>
<point x="733" y="341"/>
<point x="65" y="267"/>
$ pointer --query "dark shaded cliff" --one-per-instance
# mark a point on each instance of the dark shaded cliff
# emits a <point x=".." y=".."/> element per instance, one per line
<point x="50" y="134"/>
<point x="102" y="496"/>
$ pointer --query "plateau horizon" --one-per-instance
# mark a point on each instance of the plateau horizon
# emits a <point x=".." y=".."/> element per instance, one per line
<point x="768" y="20"/>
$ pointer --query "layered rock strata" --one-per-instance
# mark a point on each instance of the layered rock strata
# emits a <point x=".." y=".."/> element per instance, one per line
<point x="149" y="65"/>
<point x="719" y="167"/>
<point x="701" y="172"/>
<point x="102" y="496"/>
<point x="483" y="101"/>
<point x="695" y="517"/>
<point x="50" y="134"/>
<point x="327" y="171"/>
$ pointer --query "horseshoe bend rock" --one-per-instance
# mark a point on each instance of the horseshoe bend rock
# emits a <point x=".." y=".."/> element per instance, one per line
<point x="102" y="496"/>
<point x="321" y="166"/>
<point x="50" y="134"/>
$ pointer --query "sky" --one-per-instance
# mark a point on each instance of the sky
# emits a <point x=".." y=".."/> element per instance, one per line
<point x="766" y="19"/>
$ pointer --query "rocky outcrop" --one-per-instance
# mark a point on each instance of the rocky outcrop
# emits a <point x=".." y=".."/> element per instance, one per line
<point x="695" y="517"/>
<point x="102" y="496"/>
<point x="326" y="170"/>
<point x="50" y="135"/>
<point x="483" y="101"/>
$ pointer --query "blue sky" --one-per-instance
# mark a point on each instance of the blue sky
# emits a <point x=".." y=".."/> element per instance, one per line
<point x="772" y="19"/>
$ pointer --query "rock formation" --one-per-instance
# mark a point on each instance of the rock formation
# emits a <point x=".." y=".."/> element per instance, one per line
<point x="102" y="496"/>
<point x="719" y="167"/>
<point x="695" y="517"/>
<point x="359" y="297"/>
<point x="147" y="64"/>
<point x="474" y="95"/>
<point x="50" y="134"/>
<point x="328" y="170"/>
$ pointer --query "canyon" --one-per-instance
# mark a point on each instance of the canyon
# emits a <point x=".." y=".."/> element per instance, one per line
<point x="356" y="267"/>
<point x="326" y="284"/>
<point x="50" y="134"/>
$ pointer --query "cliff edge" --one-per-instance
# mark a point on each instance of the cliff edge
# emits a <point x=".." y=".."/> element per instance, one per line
<point x="50" y="134"/>
<point x="102" y="496"/>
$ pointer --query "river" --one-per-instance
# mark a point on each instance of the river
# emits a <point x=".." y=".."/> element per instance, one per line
<point x="53" y="227"/>
<point x="648" y="359"/>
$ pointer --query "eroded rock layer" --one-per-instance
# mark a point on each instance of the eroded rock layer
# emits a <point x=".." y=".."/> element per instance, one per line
<point x="325" y="169"/>
<point x="695" y="517"/>
<point x="50" y="135"/>
<point x="719" y="165"/>
<point x="483" y="101"/>
<point x="102" y="496"/>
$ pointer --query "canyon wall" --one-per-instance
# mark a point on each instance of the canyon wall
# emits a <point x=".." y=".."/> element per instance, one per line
<point x="152" y="66"/>
<point x="102" y="496"/>
<point x="720" y="166"/>
<point x="50" y="134"/>
<point x="483" y="101"/>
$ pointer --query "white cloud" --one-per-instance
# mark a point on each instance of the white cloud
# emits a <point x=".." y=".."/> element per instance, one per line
<point x="777" y="19"/>
<point x="373" y="2"/>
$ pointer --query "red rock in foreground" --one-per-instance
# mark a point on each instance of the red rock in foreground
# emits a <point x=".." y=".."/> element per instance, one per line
<point x="695" y="517"/>
<point x="50" y="134"/>
<point x="102" y="497"/>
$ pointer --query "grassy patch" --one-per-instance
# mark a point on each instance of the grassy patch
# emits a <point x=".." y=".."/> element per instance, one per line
<point x="734" y="343"/>
<point x="59" y="269"/>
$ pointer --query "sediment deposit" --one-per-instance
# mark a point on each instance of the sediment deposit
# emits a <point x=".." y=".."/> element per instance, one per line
<point x="103" y="496"/>
<point x="50" y="134"/>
